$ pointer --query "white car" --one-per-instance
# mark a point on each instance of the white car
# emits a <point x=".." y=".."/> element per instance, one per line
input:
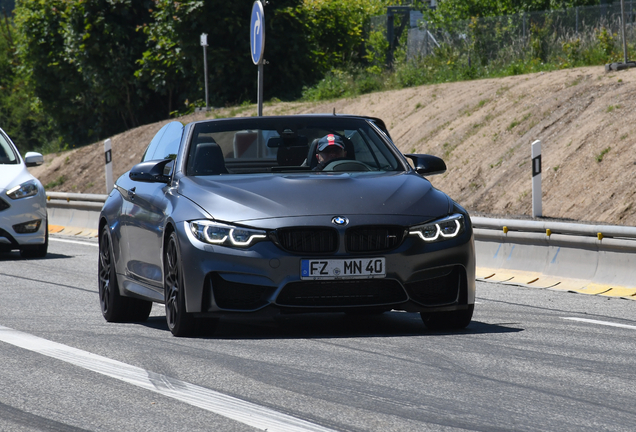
<point x="23" y="218"/>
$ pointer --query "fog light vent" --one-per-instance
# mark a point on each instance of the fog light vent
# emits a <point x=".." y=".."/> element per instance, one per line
<point x="27" y="227"/>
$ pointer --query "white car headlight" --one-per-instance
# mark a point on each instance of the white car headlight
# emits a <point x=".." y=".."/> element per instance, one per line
<point x="443" y="229"/>
<point x="26" y="189"/>
<point x="226" y="235"/>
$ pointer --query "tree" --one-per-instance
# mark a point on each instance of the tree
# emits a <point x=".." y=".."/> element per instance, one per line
<point x="449" y="11"/>
<point x="81" y="56"/>
<point x="172" y="64"/>
<point x="55" y="81"/>
<point x="21" y="114"/>
<point x="102" y="66"/>
<point x="101" y="39"/>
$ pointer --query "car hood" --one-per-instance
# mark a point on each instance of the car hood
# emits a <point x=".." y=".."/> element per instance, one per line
<point x="13" y="175"/>
<point x="242" y="198"/>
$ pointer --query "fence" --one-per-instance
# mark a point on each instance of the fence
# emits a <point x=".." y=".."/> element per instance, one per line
<point x="540" y="34"/>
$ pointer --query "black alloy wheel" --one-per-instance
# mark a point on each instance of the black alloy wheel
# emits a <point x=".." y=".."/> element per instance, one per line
<point x="179" y="321"/>
<point x="116" y="308"/>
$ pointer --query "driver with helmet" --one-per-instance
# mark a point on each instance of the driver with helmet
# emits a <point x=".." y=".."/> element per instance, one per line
<point x="329" y="148"/>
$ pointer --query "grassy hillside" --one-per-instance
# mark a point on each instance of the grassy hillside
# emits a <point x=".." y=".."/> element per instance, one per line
<point x="585" y="118"/>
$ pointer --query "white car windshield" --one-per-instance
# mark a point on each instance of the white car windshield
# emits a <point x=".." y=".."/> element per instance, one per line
<point x="288" y="145"/>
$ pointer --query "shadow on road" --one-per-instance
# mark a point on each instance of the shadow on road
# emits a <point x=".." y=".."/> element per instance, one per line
<point x="330" y="325"/>
<point x="15" y="256"/>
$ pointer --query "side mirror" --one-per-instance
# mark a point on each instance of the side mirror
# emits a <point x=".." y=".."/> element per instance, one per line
<point x="32" y="159"/>
<point x="427" y="164"/>
<point x="152" y="171"/>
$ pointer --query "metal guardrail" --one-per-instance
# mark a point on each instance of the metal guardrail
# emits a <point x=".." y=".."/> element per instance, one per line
<point x="525" y="231"/>
<point x="551" y="227"/>
<point x="590" y="259"/>
<point x="543" y="233"/>
<point x="550" y="233"/>
<point x="75" y="201"/>
<point x="74" y="213"/>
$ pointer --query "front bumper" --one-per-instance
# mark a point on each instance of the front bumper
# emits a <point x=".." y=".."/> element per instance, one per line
<point x="420" y="277"/>
<point x="19" y="212"/>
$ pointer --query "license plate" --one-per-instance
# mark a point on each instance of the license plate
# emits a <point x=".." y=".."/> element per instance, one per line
<point x="359" y="268"/>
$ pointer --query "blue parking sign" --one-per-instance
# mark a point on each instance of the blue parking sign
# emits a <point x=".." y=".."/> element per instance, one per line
<point x="257" y="32"/>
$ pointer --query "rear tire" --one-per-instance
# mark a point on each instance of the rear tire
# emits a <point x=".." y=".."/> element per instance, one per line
<point x="115" y="307"/>
<point x="453" y="320"/>
<point x="180" y="322"/>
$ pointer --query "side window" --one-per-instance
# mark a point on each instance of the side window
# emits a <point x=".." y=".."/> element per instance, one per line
<point x="165" y="144"/>
<point x="7" y="155"/>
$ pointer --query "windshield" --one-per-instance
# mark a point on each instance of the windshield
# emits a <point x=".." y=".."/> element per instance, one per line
<point x="7" y="154"/>
<point x="258" y="145"/>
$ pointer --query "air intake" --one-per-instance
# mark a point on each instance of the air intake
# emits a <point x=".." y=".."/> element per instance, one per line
<point x="308" y="240"/>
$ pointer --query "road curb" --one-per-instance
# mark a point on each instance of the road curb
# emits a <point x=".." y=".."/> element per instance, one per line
<point x="73" y="231"/>
<point x="541" y="281"/>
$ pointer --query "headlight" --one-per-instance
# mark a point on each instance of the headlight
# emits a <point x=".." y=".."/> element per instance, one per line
<point x="226" y="235"/>
<point x="449" y="227"/>
<point x="26" y="189"/>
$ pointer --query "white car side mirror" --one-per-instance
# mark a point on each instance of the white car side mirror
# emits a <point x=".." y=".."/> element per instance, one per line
<point x="32" y="159"/>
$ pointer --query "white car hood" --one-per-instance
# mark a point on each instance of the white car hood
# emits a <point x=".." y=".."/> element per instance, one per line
<point x="13" y="175"/>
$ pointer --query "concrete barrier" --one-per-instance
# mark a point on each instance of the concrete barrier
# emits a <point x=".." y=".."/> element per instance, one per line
<point x="588" y="259"/>
<point x="73" y="213"/>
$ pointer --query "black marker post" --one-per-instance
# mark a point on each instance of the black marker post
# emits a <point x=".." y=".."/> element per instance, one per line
<point x="536" y="179"/>
<point x="108" y="159"/>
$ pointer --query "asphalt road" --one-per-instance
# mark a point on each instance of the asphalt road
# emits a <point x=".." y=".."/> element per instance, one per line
<point x="531" y="360"/>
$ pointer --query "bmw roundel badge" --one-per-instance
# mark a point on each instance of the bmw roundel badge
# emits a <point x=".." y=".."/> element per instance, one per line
<point x="340" y="220"/>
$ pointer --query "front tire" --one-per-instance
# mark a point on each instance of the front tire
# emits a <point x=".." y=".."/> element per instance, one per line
<point x="179" y="321"/>
<point x="38" y="251"/>
<point x="115" y="307"/>
<point x="453" y="320"/>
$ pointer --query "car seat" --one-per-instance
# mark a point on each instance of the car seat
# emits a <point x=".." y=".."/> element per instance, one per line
<point x="208" y="160"/>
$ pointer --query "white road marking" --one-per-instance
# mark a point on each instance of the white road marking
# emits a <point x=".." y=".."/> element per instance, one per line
<point x="236" y="409"/>
<point x="73" y="241"/>
<point x="606" y="323"/>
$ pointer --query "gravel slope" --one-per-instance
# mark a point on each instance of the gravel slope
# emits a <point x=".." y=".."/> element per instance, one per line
<point x="585" y="118"/>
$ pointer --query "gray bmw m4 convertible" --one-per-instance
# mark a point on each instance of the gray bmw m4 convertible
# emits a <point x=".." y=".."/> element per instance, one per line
<point x="288" y="214"/>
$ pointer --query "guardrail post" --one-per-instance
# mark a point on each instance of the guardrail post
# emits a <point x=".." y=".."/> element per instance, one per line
<point x="108" y="155"/>
<point x="536" y="179"/>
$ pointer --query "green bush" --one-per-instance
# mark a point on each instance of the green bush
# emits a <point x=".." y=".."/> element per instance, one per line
<point x="335" y="84"/>
<point x="607" y="45"/>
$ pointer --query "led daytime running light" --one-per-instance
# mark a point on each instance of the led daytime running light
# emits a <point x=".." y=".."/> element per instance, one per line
<point x="201" y="230"/>
<point x="244" y="243"/>
<point x="439" y="231"/>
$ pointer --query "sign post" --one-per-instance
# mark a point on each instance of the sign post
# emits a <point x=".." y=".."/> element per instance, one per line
<point x="257" y="47"/>
<point x="623" y="29"/>
<point x="536" y="179"/>
<point x="204" y="44"/>
<point x="108" y="156"/>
